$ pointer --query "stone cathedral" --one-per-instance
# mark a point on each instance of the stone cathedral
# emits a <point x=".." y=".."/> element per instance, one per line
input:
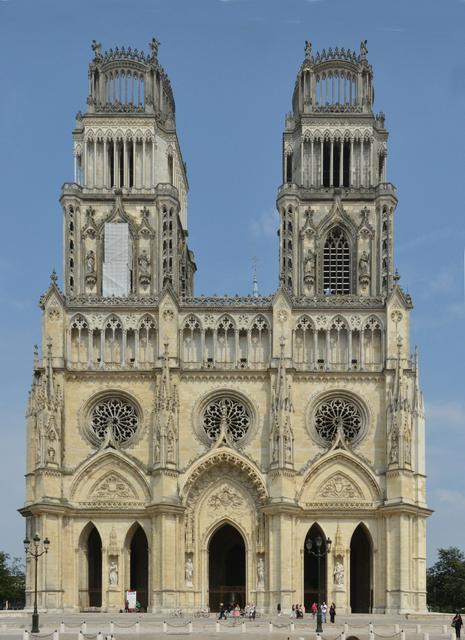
<point x="188" y="447"/>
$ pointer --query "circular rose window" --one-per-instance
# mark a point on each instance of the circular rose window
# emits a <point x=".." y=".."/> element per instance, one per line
<point x="338" y="414"/>
<point x="228" y="414"/>
<point x="117" y="415"/>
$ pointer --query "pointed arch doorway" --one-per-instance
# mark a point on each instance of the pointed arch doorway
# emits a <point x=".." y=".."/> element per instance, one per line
<point x="226" y="568"/>
<point x="361" y="555"/>
<point x="139" y="566"/>
<point x="311" y="570"/>
<point x="90" y="568"/>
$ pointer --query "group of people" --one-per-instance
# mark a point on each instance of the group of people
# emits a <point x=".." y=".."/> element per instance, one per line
<point x="324" y="611"/>
<point x="234" y="611"/>
<point x="298" y="610"/>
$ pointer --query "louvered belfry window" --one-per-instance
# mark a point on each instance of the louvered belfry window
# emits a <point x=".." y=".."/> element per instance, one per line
<point x="336" y="263"/>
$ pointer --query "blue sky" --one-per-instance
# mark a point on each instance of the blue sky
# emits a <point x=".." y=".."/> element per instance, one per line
<point x="232" y="65"/>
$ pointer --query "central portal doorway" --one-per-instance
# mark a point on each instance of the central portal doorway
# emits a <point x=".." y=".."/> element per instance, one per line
<point x="226" y="568"/>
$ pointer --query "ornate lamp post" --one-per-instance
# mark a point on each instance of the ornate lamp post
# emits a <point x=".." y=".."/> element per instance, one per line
<point x="35" y="549"/>
<point x="319" y="548"/>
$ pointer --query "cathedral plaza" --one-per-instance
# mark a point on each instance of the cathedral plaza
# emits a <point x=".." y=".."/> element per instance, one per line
<point x="185" y="451"/>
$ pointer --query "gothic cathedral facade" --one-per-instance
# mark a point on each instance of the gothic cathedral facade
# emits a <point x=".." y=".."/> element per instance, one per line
<point x="188" y="448"/>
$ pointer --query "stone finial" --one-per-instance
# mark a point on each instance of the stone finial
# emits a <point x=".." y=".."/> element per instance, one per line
<point x="53" y="277"/>
<point x="36" y="357"/>
<point x="396" y="277"/>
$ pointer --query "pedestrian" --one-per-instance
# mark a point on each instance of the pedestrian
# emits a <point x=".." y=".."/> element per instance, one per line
<point x="254" y="612"/>
<point x="314" y="609"/>
<point x="457" y="623"/>
<point x="323" y="609"/>
<point x="278" y="608"/>
<point x="293" y="611"/>
<point x="236" y="614"/>
<point x="332" y="612"/>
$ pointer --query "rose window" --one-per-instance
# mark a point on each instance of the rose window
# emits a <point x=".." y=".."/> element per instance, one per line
<point x="226" y="414"/>
<point x="335" y="414"/>
<point x="120" y="416"/>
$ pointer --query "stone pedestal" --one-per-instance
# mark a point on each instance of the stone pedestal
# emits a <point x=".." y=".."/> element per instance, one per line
<point x="114" y="598"/>
<point x="339" y="599"/>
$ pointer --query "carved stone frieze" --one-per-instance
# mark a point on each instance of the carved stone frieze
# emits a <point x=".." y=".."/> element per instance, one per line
<point x="340" y="487"/>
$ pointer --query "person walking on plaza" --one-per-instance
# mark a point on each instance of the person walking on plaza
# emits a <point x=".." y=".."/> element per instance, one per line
<point x="323" y="609"/>
<point x="457" y="623"/>
<point x="278" y="608"/>
<point x="222" y="615"/>
<point x="314" y="609"/>
<point x="332" y="612"/>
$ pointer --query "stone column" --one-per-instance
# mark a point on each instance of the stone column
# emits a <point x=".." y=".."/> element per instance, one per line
<point x="321" y="161"/>
<point x="362" y="165"/>
<point x="311" y="163"/>
<point x="351" y="166"/>
<point x="143" y="164"/>
<point x="105" y="161"/>
<point x="331" y="164"/>
<point x="302" y="162"/>
<point x="341" y="164"/>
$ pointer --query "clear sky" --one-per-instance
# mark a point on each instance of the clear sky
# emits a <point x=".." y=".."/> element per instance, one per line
<point x="233" y="65"/>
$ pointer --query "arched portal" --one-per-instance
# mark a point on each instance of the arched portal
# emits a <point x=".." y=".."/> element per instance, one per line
<point x="94" y="568"/>
<point x="361" y="591"/>
<point x="139" y="566"/>
<point x="226" y="567"/>
<point x="311" y="569"/>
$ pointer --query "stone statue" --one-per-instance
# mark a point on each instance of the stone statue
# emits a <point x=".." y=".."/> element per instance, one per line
<point x="260" y="573"/>
<point x="363" y="264"/>
<point x="394" y="450"/>
<point x="97" y="49"/>
<point x="154" y="44"/>
<point x="189" y="572"/>
<point x="144" y="262"/>
<point x="113" y="574"/>
<point x="308" y="50"/>
<point x="338" y="573"/>
<point x="170" y="447"/>
<point x="309" y="267"/>
<point x="90" y="262"/>
<point x="363" y="48"/>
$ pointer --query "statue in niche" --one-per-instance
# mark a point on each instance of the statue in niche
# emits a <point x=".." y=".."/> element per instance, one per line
<point x="170" y="447"/>
<point x="113" y="574"/>
<point x="407" y="445"/>
<point x="144" y="262"/>
<point x="287" y="447"/>
<point x="309" y="267"/>
<point x="189" y="572"/>
<point x="394" y="450"/>
<point x="260" y="573"/>
<point x="90" y="262"/>
<point x="363" y="264"/>
<point x="338" y="573"/>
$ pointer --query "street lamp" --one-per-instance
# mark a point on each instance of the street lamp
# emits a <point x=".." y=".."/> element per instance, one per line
<point x="322" y="549"/>
<point x="35" y="549"/>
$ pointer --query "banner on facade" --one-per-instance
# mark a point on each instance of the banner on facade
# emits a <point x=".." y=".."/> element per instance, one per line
<point x="131" y="599"/>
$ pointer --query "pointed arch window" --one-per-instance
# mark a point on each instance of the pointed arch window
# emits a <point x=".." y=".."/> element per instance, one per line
<point x="336" y="263"/>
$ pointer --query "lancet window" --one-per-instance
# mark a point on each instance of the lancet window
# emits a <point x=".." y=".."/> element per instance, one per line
<point x="225" y="345"/>
<point x="79" y="341"/>
<point x="337" y="344"/>
<point x="305" y="343"/>
<point x="336" y="263"/>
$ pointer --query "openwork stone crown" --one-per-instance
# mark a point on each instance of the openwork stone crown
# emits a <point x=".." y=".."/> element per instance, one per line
<point x="115" y="415"/>
<point x="227" y="414"/>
